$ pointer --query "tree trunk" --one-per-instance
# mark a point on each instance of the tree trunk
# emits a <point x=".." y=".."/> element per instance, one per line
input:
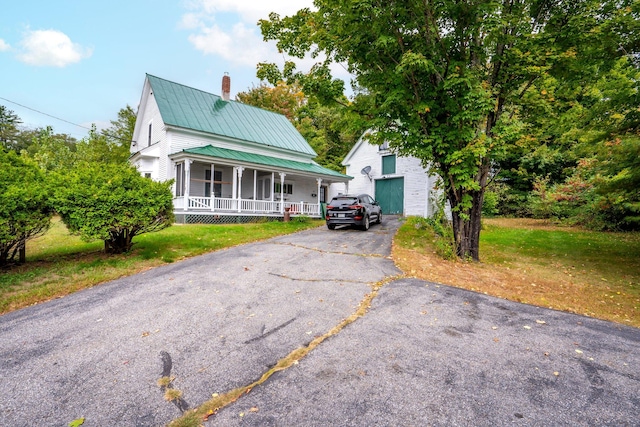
<point x="120" y="241"/>
<point x="468" y="221"/>
<point x="466" y="227"/>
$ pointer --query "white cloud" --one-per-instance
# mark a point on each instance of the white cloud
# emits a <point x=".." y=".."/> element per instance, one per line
<point x="240" y="43"/>
<point x="250" y="10"/>
<point x="51" y="48"/>
<point x="4" y="46"/>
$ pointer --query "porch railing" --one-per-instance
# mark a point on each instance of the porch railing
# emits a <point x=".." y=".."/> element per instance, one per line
<point x="226" y="205"/>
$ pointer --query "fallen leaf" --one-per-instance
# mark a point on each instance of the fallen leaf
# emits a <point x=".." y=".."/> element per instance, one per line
<point x="254" y="409"/>
<point x="145" y="334"/>
<point x="496" y="339"/>
<point x="494" y="327"/>
<point x="578" y="351"/>
<point x="527" y="327"/>
<point x="76" y="423"/>
<point x="241" y="414"/>
<point x="556" y="373"/>
<point x="541" y="322"/>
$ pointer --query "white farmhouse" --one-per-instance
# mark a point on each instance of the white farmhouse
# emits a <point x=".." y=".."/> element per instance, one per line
<point x="230" y="161"/>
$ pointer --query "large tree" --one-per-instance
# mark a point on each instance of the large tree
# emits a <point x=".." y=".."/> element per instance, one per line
<point x="445" y="81"/>
<point x="24" y="206"/>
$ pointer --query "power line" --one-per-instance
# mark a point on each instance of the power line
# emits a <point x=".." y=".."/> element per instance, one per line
<point x="46" y="114"/>
<point x="66" y="121"/>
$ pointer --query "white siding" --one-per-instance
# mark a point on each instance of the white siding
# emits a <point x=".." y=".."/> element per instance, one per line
<point x="419" y="196"/>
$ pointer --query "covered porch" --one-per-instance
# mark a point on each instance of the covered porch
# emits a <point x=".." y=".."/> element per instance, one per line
<point x="216" y="181"/>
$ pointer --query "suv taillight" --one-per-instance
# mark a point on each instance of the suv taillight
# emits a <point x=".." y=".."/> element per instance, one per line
<point x="355" y="207"/>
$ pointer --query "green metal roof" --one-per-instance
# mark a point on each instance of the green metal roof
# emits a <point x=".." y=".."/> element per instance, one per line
<point x="190" y="108"/>
<point x="241" y="156"/>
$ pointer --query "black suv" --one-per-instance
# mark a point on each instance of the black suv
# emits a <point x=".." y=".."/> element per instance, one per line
<point x="353" y="210"/>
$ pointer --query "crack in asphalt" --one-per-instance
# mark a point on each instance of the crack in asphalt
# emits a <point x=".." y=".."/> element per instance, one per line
<point x="323" y="251"/>
<point x="208" y="409"/>
<point x="297" y="279"/>
<point x="266" y="334"/>
<point x="167" y="365"/>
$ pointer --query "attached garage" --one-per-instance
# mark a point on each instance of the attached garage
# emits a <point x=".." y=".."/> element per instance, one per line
<point x="390" y="194"/>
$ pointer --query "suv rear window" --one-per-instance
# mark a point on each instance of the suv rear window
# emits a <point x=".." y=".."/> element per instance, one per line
<point x="343" y="201"/>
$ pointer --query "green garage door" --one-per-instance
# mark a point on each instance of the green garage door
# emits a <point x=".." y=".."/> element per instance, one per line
<point x="390" y="195"/>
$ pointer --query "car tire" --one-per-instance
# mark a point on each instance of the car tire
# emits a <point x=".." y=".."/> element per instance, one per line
<point x="366" y="223"/>
<point x="379" y="219"/>
<point x="331" y="226"/>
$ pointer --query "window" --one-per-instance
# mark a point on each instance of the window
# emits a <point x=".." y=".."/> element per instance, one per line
<point x="147" y="174"/>
<point x="384" y="146"/>
<point x="287" y="188"/>
<point x="217" y="183"/>
<point x="388" y="164"/>
<point x="180" y="179"/>
<point x="149" y="137"/>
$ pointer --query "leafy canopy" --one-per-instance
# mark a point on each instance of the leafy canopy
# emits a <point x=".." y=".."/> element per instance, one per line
<point x="444" y="81"/>
<point x="24" y="207"/>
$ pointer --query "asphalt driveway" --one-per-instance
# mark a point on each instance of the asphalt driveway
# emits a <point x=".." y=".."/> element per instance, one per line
<point x="424" y="354"/>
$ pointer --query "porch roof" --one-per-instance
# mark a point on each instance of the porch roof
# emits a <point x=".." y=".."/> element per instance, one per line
<point x="259" y="159"/>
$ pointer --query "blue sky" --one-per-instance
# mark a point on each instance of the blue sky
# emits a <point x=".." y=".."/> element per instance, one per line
<point x="84" y="60"/>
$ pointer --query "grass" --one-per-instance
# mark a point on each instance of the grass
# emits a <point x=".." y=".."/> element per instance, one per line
<point x="591" y="273"/>
<point x="59" y="264"/>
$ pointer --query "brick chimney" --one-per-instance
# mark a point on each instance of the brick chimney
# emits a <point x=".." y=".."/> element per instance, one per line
<point x="226" y="86"/>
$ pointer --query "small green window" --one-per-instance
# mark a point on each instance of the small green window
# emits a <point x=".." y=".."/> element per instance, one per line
<point x="388" y="164"/>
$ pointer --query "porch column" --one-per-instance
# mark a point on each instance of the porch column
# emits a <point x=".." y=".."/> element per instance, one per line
<point x="273" y="184"/>
<point x="255" y="186"/>
<point x="213" y="192"/>
<point x="239" y="188"/>
<point x="187" y="182"/>
<point x="319" y="181"/>
<point x="282" y="175"/>
<point x="234" y="183"/>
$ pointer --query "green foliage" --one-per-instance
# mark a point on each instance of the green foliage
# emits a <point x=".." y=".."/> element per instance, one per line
<point x="302" y="219"/>
<point x="429" y="231"/>
<point x="111" y="202"/>
<point x="9" y="122"/>
<point x="24" y="208"/>
<point x="52" y="151"/>
<point x="447" y="81"/>
<point x="618" y="182"/>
